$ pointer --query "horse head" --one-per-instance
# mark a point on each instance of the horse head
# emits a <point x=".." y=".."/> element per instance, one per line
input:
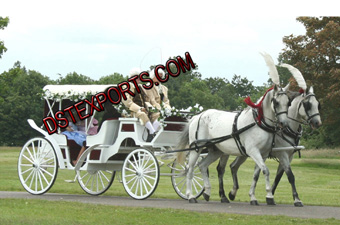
<point x="280" y="103"/>
<point x="309" y="109"/>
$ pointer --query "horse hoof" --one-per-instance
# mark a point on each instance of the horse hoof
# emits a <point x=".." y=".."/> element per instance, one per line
<point x="192" y="200"/>
<point x="206" y="197"/>
<point x="231" y="196"/>
<point x="224" y="200"/>
<point x="270" y="201"/>
<point x="298" y="204"/>
<point x="254" y="202"/>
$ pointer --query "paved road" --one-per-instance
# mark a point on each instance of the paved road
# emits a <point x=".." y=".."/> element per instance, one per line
<point x="321" y="212"/>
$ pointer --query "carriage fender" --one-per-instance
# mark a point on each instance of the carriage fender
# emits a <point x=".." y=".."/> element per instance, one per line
<point x="51" y="140"/>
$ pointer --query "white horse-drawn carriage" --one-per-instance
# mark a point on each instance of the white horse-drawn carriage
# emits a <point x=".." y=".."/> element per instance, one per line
<point x="271" y="128"/>
<point x="119" y="146"/>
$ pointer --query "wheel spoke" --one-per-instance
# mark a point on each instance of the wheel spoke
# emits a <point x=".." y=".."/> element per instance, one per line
<point x="36" y="181"/>
<point x="40" y="180"/>
<point x="195" y="183"/>
<point x="106" y="178"/>
<point x="46" y="153"/>
<point x="88" y="179"/>
<point x="131" y="170"/>
<point x="29" y="152"/>
<point x="136" y="164"/>
<point x="183" y="185"/>
<point x="134" y="178"/>
<point x="31" y="168"/>
<point x="150" y="171"/>
<point x="28" y="177"/>
<point x="153" y="178"/>
<point x="149" y="166"/>
<point x="41" y="174"/>
<point x="93" y="178"/>
<point x="132" y="165"/>
<point x="198" y="178"/>
<point x="37" y="165"/>
<point x="45" y="171"/>
<point x="101" y="179"/>
<point x="137" y="187"/>
<point x="146" y="180"/>
<point x="47" y="160"/>
<point x="141" y="187"/>
<point x="146" y="163"/>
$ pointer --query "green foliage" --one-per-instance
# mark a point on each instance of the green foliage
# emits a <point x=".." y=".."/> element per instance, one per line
<point x="19" y="100"/>
<point x="3" y="23"/>
<point x="115" y="78"/>
<point x="74" y="78"/>
<point x="316" y="54"/>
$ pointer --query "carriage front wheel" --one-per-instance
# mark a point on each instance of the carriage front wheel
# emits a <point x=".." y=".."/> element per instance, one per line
<point x="95" y="181"/>
<point x="37" y="166"/>
<point x="179" y="177"/>
<point x="140" y="174"/>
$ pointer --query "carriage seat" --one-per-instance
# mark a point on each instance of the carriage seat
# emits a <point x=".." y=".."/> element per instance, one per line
<point x="106" y="135"/>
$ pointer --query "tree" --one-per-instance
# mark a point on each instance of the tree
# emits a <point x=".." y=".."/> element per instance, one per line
<point x="317" y="55"/>
<point x="115" y="78"/>
<point x="74" y="78"/>
<point x="20" y="99"/>
<point x="3" y="23"/>
<point x="243" y="86"/>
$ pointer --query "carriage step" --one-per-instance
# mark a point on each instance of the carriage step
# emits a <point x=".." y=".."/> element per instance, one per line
<point x="300" y="147"/>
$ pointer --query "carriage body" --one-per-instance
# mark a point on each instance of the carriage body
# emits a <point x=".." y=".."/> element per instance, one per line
<point x="119" y="146"/>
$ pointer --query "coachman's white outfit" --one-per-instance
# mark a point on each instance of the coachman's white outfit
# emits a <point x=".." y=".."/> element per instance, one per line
<point x="156" y="96"/>
<point x="137" y="102"/>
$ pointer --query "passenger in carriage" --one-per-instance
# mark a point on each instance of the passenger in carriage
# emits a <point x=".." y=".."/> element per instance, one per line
<point x="72" y="133"/>
<point x="93" y="129"/>
<point x="138" y="105"/>
<point x="157" y="96"/>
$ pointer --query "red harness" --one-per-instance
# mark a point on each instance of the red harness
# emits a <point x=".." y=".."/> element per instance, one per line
<point x="258" y="106"/>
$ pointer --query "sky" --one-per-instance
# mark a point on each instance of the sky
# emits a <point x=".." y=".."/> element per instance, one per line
<point x="99" y="38"/>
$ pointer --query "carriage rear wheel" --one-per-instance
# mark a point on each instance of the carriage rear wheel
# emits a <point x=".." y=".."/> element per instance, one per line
<point x="37" y="166"/>
<point x="140" y="174"/>
<point x="179" y="178"/>
<point x="95" y="181"/>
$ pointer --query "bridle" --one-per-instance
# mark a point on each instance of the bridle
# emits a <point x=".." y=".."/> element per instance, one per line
<point x="276" y="103"/>
<point x="307" y="105"/>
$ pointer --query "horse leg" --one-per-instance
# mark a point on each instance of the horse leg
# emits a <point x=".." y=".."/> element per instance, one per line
<point x="278" y="177"/>
<point x="253" y="200"/>
<point x="220" y="171"/>
<point x="256" y="156"/>
<point x="234" y="166"/>
<point x="193" y="156"/>
<point x="285" y="162"/>
<point x="212" y="156"/>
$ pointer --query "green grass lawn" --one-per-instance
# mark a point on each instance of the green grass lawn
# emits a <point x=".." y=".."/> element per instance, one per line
<point x="317" y="176"/>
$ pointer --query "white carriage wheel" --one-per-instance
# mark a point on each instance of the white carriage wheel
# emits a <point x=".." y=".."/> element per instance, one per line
<point x="140" y="174"/>
<point x="179" y="179"/>
<point x="94" y="181"/>
<point x="37" y="166"/>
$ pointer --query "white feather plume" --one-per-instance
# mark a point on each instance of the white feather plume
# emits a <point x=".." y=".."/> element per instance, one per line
<point x="297" y="75"/>
<point x="274" y="75"/>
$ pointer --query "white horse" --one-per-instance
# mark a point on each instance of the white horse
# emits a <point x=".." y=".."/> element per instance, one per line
<point x="304" y="108"/>
<point x="254" y="142"/>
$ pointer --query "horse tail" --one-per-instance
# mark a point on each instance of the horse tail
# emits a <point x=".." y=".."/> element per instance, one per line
<point x="183" y="143"/>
